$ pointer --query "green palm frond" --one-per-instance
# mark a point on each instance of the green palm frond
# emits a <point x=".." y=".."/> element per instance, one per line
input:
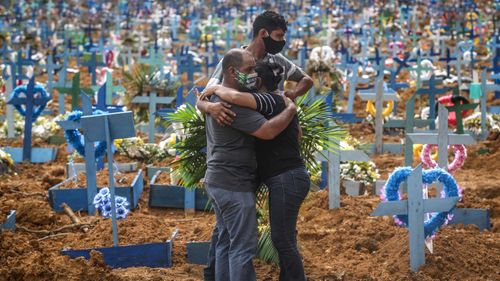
<point x="265" y="249"/>
<point x="319" y="134"/>
<point x="193" y="160"/>
<point x="319" y="131"/>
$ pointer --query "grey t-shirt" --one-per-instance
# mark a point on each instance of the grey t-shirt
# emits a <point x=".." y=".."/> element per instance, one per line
<point x="290" y="70"/>
<point x="231" y="161"/>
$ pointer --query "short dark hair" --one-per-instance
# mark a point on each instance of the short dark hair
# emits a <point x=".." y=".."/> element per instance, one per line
<point x="270" y="74"/>
<point x="269" y="20"/>
<point x="234" y="58"/>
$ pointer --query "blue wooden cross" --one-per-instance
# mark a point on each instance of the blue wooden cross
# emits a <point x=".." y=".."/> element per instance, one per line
<point x="108" y="127"/>
<point x="9" y="86"/>
<point x="185" y="63"/>
<point x="334" y="158"/>
<point x="109" y="88"/>
<point x="156" y="60"/>
<point x="448" y="59"/>
<point x="415" y="207"/>
<point x="30" y="102"/>
<point x="50" y="73"/>
<point x="419" y="69"/>
<point x="152" y="100"/>
<point x="394" y="73"/>
<point x="90" y="161"/>
<point x="5" y="52"/>
<point x="379" y="94"/>
<point x="303" y="55"/>
<point x="102" y="101"/>
<point x="485" y="88"/>
<point x="432" y="92"/>
<point x="408" y="124"/>
<point x="174" y="24"/>
<point x="21" y="62"/>
<point x="459" y="51"/>
<point x="442" y="139"/>
<point x="354" y="80"/>
<point x="92" y="65"/>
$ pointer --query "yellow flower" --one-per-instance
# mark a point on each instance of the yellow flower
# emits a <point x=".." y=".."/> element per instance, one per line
<point x="118" y="142"/>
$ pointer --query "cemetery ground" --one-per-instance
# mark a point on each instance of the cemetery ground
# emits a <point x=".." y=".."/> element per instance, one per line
<point x="340" y="244"/>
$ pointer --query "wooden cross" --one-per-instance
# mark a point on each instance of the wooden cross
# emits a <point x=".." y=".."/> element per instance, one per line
<point x="110" y="88"/>
<point x="448" y="59"/>
<point x="408" y="125"/>
<point x="50" y="73"/>
<point x="442" y="139"/>
<point x="414" y="36"/>
<point x="432" y="91"/>
<point x="9" y="86"/>
<point x="419" y="69"/>
<point x="102" y="101"/>
<point x="108" y="127"/>
<point x="90" y="161"/>
<point x="485" y="88"/>
<point x="92" y="65"/>
<point x="155" y="60"/>
<point x="30" y="102"/>
<point x="415" y="207"/>
<point x="74" y="91"/>
<point x="185" y="63"/>
<point x="378" y="94"/>
<point x="394" y="73"/>
<point x="152" y="100"/>
<point x="457" y="108"/>
<point x="61" y="79"/>
<point x="459" y="61"/>
<point x="334" y="158"/>
<point x="21" y="62"/>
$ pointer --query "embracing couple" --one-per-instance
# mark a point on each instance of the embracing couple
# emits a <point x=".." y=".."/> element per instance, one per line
<point x="253" y="137"/>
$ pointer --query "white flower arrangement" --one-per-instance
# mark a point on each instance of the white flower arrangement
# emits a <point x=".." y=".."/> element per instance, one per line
<point x="135" y="148"/>
<point x="365" y="172"/>
<point x="6" y="162"/>
<point x="473" y="122"/>
<point x="43" y="128"/>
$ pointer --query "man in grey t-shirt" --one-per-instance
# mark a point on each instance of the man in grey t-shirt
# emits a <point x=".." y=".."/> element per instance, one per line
<point x="231" y="178"/>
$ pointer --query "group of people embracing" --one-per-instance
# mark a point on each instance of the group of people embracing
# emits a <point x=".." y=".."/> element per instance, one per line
<point x="253" y="137"/>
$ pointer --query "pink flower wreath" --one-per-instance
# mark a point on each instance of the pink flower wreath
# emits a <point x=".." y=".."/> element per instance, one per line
<point x="460" y="155"/>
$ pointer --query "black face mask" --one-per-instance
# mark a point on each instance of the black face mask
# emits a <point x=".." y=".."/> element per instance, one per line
<point x="273" y="46"/>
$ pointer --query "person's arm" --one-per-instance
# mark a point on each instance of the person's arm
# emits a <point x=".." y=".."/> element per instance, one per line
<point x="232" y="96"/>
<point x="296" y="74"/>
<point x="301" y="88"/>
<point x="274" y="126"/>
<point x="220" y="111"/>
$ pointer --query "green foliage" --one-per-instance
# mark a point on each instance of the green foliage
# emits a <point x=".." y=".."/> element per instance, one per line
<point x="193" y="161"/>
<point x="143" y="79"/>
<point x="319" y="133"/>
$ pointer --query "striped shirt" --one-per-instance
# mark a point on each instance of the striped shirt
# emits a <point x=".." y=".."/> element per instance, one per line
<point x="290" y="72"/>
<point x="266" y="104"/>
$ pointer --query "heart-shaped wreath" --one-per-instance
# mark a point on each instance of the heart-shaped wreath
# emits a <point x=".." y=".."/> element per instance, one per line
<point x="390" y="192"/>
<point x="458" y="161"/>
<point x="37" y="110"/>
<point x="74" y="137"/>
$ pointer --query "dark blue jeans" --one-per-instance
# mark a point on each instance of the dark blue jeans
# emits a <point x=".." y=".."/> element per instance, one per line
<point x="236" y="241"/>
<point x="287" y="191"/>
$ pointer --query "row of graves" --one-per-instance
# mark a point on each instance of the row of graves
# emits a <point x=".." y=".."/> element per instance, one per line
<point x="102" y="81"/>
